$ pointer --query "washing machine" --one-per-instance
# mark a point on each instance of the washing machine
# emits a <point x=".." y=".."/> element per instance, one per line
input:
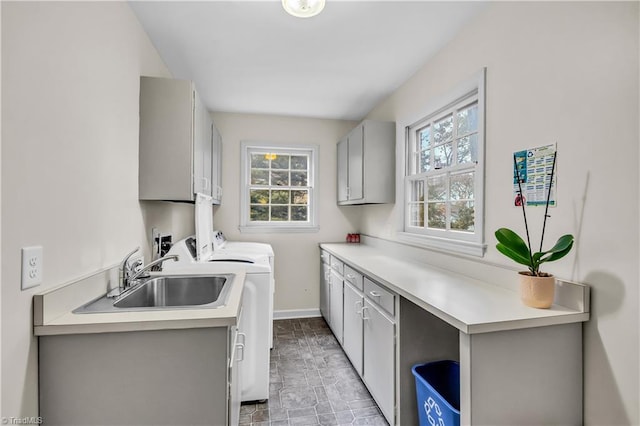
<point x="258" y="251"/>
<point x="196" y="256"/>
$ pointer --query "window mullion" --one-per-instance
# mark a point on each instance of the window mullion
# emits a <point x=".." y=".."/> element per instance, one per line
<point x="425" y="196"/>
<point x="454" y="138"/>
<point x="448" y="201"/>
<point x="432" y="155"/>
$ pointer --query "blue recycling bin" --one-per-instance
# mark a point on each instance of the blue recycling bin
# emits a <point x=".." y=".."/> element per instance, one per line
<point x="438" y="393"/>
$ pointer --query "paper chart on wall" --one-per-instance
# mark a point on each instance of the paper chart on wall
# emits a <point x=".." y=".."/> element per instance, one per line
<point x="534" y="166"/>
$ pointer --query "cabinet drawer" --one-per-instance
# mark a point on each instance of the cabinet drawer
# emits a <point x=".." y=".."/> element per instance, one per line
<point x="337" y="265"/>
<point x="325" y="257"/>
<point x="380" y="295"/>
<point x="353" y="276"/>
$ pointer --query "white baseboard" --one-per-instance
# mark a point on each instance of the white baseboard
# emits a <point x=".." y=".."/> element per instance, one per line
<point x="296" y="313"/>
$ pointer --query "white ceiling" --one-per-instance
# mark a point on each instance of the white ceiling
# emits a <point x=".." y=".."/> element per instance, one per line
<point x="251" y="57"/>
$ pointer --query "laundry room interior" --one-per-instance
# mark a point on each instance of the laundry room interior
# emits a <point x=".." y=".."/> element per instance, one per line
<point x="227" y="213"/>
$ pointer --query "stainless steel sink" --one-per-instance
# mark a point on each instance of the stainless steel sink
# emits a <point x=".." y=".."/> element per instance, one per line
<point x="167" y="292"/>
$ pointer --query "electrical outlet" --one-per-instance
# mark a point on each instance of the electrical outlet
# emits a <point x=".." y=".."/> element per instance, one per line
<point x="31" y="267"/>
<point x="165" y="244"/>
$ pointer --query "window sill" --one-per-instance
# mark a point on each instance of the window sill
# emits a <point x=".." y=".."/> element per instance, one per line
<point x="266" y="229"/>
<point x="443" y="244"/>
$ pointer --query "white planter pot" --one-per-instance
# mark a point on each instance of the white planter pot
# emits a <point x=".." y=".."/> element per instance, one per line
<point x="537" y="292"/>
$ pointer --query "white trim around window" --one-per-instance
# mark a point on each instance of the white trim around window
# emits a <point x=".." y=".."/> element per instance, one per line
<point x="443" y="176"/>
<point x="278" y="187"/>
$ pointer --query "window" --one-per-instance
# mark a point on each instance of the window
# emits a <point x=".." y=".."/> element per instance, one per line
<point x="278" y="187"/>
<point x="444" y="175"/>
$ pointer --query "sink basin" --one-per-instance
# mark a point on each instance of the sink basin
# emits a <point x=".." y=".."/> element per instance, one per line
<point x="174" y="291"/>
<point x="167" y="292"/>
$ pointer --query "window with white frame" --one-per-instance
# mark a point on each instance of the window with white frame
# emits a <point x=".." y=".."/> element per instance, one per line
<point x="444" y="176"/>
<point x="278" y="191"/>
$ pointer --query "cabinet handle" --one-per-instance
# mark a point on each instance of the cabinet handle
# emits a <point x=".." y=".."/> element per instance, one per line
<point x="359" y="309"/>
<point x="206" y="183"/>
<point x="242" y="338"/>
<point x="374" y="293"/>
<point x="362" y="313"/>
<point x="350" y="277"/>
<point x="240" y="349"/>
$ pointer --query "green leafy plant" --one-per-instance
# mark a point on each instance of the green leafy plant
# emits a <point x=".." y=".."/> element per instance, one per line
<point x="513" y="246"/>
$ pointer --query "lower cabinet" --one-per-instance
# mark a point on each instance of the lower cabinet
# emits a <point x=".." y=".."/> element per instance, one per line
<point x="150" y="378"/>
<point x="362" y="317"/>
<point x="236" y="355"/>
<point x="353" y="328"/>
<point x="336" y="304"/>
<point x="325" y="294"/>
<point x="379" y="357"/>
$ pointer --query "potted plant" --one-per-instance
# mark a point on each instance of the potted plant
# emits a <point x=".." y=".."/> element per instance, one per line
<point x="537" y="288"/>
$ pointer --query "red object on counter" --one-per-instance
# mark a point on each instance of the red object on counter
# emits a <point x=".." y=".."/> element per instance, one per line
<point x="353" y="238"/>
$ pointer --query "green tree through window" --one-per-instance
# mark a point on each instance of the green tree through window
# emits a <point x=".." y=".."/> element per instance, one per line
<point x="279" y="187"/>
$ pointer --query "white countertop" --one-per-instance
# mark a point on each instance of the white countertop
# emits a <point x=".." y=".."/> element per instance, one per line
<point x="53" y="314"/>
<point x="470" y="305"/>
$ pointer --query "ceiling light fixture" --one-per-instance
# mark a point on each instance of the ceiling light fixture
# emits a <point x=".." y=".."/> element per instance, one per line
<point x="303" y="8"/>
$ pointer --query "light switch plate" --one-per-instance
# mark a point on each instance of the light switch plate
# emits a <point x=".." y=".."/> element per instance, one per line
<point x="31" y="267"/>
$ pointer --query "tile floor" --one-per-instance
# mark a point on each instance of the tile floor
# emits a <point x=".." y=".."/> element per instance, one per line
<point x="312" y="382"/>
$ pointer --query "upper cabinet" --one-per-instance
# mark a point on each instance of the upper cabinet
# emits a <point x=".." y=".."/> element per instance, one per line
<point x="366" y="164"/>
<point x="216" y="166"/>
<point x="179" y="145"/>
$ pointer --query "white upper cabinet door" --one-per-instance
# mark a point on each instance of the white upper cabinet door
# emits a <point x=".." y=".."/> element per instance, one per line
<point x="343" y="172"/>
<point x="216" y="166"/>
<point x="203" y="150"/>
<point x="356" y="163"/>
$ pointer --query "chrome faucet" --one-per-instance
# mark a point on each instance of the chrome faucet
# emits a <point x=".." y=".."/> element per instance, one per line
<point x="127" y="272"/>
<point x="125" y="269"/>
<point x="150" y="265"/>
